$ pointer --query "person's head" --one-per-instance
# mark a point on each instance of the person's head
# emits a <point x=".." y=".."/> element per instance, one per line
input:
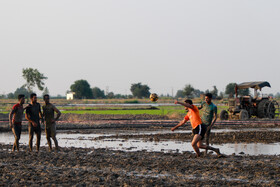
<point x="47" y="98"/>
<point x="21" y="98"/>
<point x="189" y="101"/>
<point x="208" y="98"/>
<point x="33" y="97"/>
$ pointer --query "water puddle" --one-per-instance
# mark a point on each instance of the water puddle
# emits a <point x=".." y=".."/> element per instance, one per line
<point x="88" y="141"/>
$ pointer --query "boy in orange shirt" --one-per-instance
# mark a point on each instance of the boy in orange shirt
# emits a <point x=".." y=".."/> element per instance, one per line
<point x="198" y="128"/>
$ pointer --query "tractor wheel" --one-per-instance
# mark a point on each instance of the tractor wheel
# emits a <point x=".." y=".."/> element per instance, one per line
<point x="262" y="109"/>
<point x="271" y="110"/>
<point x="223" y="115"/>
<point x="266" y="109"/>
<point x="243" y="115"/>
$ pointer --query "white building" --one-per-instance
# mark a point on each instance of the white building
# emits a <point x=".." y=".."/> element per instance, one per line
<point x="70" y="95"/>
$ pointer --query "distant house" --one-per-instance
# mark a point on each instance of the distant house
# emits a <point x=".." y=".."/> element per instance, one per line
<point x="70" y="95"/>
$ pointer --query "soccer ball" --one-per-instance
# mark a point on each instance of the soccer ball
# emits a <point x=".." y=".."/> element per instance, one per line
<point x="154" y="97"/>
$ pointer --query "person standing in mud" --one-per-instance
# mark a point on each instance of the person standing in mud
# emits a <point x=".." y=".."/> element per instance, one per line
<point x="198" y="127"/>
<point x="209" y="116"/>
<point x="33" y="114"/>
<point x="15" y="120"/>
<point x="50" y="126"/>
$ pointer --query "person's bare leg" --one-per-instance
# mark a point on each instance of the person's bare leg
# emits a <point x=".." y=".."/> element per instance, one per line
<point x="55" y="143"/>
<point x="202" y="146"/>
<point x="195" y="140"/>
<point x="49" y="143"/>
<point x="207" y="136"/>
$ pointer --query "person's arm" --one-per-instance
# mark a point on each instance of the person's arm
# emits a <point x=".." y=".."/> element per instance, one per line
<point x="184" y="104"/>
<point x="31" y="121"/>
<point x="179" y="125"/>
<point x="40" y="114"/>
<point x="215" y="116"/>
<point x="58" y="113"/>
<point x="11" y="117"/>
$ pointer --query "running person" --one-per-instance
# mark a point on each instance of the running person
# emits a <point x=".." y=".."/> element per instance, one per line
<point x="199" y="129"/>
<point x="50" y="126"/>
<point x="209" y="116"/>
<point x="15" y="120"/>
<point x="33" y="114"/>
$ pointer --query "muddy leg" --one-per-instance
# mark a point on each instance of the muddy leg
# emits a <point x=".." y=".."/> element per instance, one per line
<point x="55" y="143"/>
<point x="48" y="138"/>
<point x="207" y="137"/>
<point x="38" y="134"/>
<point x="202" y="146"/>
<point x="195" y="140"/>
<point x="31" y="133"/>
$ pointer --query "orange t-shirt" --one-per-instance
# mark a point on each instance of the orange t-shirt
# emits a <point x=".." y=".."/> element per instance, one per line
<point x="193" y="116"/>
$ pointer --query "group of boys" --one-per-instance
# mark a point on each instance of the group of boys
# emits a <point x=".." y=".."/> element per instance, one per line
<point x="201" y="126"/>
<point x="34" y="115"/>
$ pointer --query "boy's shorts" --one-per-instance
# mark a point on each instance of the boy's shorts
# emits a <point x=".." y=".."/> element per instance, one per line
<point x="201" y="130"/>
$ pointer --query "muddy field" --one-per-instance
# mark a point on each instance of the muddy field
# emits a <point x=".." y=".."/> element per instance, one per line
<point x="103" y="167"/>
<point x="89" y="167"/>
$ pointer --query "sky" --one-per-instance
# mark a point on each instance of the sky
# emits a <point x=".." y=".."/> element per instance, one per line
<point x="161" y="43"/>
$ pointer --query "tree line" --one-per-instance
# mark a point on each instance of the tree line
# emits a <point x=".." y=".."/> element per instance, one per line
<point x="83" y="90"/>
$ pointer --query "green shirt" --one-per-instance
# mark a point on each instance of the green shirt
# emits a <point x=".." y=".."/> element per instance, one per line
<point x="208" y="113"/>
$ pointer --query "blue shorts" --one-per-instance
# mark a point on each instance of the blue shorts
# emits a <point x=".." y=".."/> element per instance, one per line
<point x="201" y="130"/>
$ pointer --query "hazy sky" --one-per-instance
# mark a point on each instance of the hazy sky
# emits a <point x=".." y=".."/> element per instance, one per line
<point x="162" y="43"/>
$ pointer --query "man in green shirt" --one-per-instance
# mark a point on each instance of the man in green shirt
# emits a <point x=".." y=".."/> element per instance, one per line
<point x="50" y="126"/>
<point x="209" y="115"/>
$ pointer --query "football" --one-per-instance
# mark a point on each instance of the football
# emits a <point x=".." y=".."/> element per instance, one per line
<point x="154" y="97"/>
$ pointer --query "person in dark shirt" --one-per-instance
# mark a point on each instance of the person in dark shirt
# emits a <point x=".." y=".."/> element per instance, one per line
<point x="33" y="115"/>
<point x="15" y="119"/>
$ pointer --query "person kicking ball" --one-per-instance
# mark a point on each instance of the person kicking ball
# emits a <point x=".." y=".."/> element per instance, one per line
<point x="198" y="128"/>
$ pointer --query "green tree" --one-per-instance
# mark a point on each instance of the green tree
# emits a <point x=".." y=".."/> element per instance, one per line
<point x="33" y="78"/>
<point x="82" y="89"/>
<point x="11" y="96"/>
<point x="230" y="90"/>
<point x="110" y="95"/>
<point x="21" y="90"/>
<point x="98" y="93"/>
<point x="45" y="92"/>
<point x="214" y="92"/>
<point x="180" y="94"/>
<point x="188" y="90"/>
<point x="138" y="90"/>
<point x="197" y="92"/>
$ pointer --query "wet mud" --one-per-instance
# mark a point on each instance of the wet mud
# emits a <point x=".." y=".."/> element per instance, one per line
<point x="104" y="167"/>
<point x="216" y="138"/>
<point x="95" y="167"/>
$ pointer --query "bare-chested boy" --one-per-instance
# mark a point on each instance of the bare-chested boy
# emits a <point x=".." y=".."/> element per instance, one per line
<point x="15" y="120"/>
<point x="50" y="126"/>
<point x="199" y="129"/>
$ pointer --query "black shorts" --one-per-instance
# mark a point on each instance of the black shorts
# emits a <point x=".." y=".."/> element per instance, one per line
<point x="201" y="130"/>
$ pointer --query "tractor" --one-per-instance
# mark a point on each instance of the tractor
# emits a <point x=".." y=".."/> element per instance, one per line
<point x="245" y="107"/>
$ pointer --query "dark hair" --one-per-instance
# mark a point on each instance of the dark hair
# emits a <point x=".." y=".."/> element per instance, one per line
<point x="189" y="101"/>
<point x="208" y="95"/>
<point x="20" y="96"/>
<point x="46" y="95"/>
<point x="32" y="95"/>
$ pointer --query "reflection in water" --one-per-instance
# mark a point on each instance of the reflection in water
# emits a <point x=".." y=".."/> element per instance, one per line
<point x="87" y="141"/>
